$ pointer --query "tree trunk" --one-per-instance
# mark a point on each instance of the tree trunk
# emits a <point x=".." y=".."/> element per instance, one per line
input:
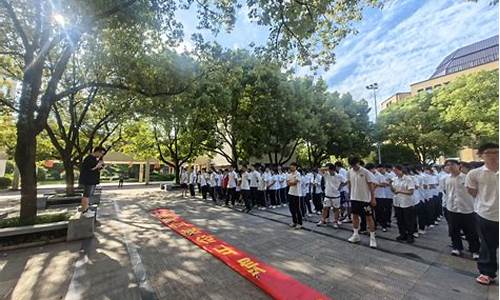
<point x="15" y="180"/>
<point x="177" y="170"/>
<point x="25" y="156"/>
<point x="70" y="177"/>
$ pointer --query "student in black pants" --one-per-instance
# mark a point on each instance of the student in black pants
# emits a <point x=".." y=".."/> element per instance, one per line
<point x="482" y="183"/>
<point x="403" y="188"/>
<point x="294" y="194"/>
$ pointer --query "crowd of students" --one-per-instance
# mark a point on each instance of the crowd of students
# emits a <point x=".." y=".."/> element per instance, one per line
<point x="466" y="195"/>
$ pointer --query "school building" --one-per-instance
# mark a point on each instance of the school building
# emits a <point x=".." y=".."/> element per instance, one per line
<point x="479" y="56"/>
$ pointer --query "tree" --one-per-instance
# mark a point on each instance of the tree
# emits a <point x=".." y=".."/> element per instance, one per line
<point x="181" y="127"/>
<point x="39" y="42"/>
<point x="415" y="123"/>
<point x="470" y="104"/>
<point x="394" y="154"/>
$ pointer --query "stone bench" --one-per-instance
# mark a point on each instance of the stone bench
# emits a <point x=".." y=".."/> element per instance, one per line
<point x="12" y="231"/>
<point x="81" y="226"/>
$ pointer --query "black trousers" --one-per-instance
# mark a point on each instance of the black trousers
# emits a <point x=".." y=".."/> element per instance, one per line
<point x="261" y="196"/>
<point x="307" y="200"/>
<point x="383" y="211"/>
<point x="317" y="201"/>
<point x="271" y="194"/>
<point x="283" y="196"/>
<point x="421" y="215"/>
<point x="191" y="190"/>
<point x="212" y="193"/>
<point x="246" y="194"/>
<point x="254" y="195"/>
<point x="488" y="235"/>
<point x="406" y="221"/>
<point x="362" y="224"/>
<point x="204" y="190"/>
<point x="467" y="223"/>
<point x="303" y="209"/>
<point x="295" y="210"/>
<point x="231" y="196"/>
<point x="218" y="192"/>
<point x="429" y="212"/>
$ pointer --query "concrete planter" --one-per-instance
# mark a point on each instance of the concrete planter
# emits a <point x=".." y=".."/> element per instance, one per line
<point x="58" y="201"/>
<point x="41" y="202"/>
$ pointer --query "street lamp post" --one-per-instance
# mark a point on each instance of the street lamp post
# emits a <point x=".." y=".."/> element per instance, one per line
<point x="374" y="87"/>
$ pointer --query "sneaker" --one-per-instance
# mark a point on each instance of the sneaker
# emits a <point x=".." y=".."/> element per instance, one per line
<point x="298" y="227"/>
<point x="455" y="252"/>
<point x="384" y="229"/>
<point x="415" y="235"/>
<point x="436" y="223"/>
<point x="284" y="205"/>
<point x="264" y="208"/>
<point x="346" y="221"/>
<point x="363" y="232"/>
<point x="475" y="256"/>
<point x="320" y="223"/>
<point x="432" y="226"/>
<point x="335" y="225"/>
<point x="484" y="279"/>
<point x="373" y="242"/>
<point x="421" y="232"/>
<point x="292" y="225"/>
<point x="354" y="238"/>
<point x="410" y="240"/>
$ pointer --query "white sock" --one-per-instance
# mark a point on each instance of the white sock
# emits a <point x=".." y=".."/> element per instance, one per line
<point x="372" y="235"/>
<point x="356" y="231"/>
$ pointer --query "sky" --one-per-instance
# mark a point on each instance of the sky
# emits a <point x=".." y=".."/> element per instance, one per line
<point x="401" y="44"/>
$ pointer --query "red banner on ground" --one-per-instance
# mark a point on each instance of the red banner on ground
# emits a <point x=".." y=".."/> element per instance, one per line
<point x="275" y="283"/>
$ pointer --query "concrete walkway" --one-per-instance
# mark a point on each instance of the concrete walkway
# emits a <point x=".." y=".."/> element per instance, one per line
<point x="133" y="256"/>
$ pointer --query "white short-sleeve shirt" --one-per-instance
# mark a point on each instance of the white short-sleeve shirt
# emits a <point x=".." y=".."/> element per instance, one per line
<point x="458" y="200"/>
<point x="332" y="184"/>
<point x="486" y="183"/>
<point x="245" y="181"/>
<point x="403" y="184"/>
<point x="295" y="190"/>
<point x="232" y="179"/>
<point x="359" y="181"/>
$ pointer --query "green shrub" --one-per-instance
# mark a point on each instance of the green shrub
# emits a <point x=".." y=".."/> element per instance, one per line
<point x="160" y="177"/>
<point x="41" y="174"/>
<point x="54" y="174"/>
<point x="10" y="167"/>
<point x="42" y="219"/>
<point x="5" y="183"/>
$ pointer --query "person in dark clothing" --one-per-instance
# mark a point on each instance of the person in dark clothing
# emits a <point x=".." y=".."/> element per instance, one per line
<point x="89" y="175"/>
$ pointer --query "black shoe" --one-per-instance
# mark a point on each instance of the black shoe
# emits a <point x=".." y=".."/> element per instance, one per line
<point x="401" y="238"/>
<point x="410" y="240"/>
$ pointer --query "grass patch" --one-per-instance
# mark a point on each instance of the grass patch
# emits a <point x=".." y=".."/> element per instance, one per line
<point x="42" y="219"/>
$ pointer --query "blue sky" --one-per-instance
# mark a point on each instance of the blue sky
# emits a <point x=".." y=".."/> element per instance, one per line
<point x="401" y="44"/>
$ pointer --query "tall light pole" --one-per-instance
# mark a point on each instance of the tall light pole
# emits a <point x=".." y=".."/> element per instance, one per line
<point x="374" y="87"/>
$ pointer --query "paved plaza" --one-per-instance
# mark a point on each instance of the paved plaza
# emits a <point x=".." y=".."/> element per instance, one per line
<point x="133" y="256"/>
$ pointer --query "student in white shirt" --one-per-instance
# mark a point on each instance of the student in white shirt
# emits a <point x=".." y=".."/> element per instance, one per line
<point x="270" y="192"/>
<point x="362" y="193"/>
<point x="404" y="205"/>
<point x="254" y="184"/>
<point x="282" y="188"/>
<point x="460" y="207"/>
<point x="419" y="195"/>
<point x="333" y="183"/>
<point x="192" y="181"/>
<point x="482" y="183"/>
<point x="202" y="181"/>
<point x="245" y="188"/>
<point x="294" y="194"/>
<point x="261" y="196"/>
<point x="184" y="182"/>
<point x="274" y="188"/>
<point x="384" y="204"/>
<point x="231" y="186"/>
<point x="317" y="191"/>
<point x="307" y="190"/>
<point x="345" y="204"/>
<point x="218" y="186"/>
<point x="211" y="183"/>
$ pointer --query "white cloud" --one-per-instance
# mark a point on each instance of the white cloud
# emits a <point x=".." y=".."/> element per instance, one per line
<point x="411" y="50"/>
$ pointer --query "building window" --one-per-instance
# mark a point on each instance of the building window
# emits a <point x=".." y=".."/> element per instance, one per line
<point x="428" y="90"/>
<point x="437" y="86"/>
<point x="420" y="90"/>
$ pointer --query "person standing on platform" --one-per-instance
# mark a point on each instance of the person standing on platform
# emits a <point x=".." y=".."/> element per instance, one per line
<point x="282" y="187"/>
<point x="89" y="176"/>
<point x="482" y="183"/>
<point x="184" y="182"/>
<point x="202" y="182"/>
<point x="294" y="194"/>
<point x="460" y="210"/>
<point x="362" y="193"/>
